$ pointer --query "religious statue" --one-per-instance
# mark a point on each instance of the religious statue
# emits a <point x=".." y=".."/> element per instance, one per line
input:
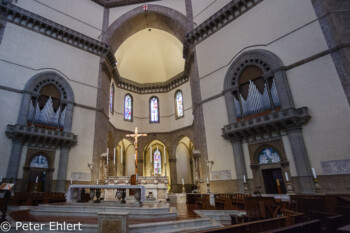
<point x="136" y="135"/>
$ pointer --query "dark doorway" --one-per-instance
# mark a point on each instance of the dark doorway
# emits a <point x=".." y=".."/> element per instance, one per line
<point x="273" y="180"/>
<point x="36" y="182"/>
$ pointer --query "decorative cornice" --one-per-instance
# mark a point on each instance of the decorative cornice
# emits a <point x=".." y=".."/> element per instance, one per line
<point x="286" y="119"/>
<point x="35" y="136"/>
<point x="115" y="3"/>
<point x="36" y="23"/>
<point x="221" y="18"/>
<point x="148" y="88"/>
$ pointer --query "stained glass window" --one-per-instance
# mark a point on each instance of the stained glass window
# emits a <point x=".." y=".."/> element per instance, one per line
<point x="39" y="161"/>
<point x="128" y="107"/>
<point x="111" y="99"/>
<point x="154" y="109"/>
<point x="269" y="155"/>
<point x="179" y="104"/>
<point x="157" y="163"/>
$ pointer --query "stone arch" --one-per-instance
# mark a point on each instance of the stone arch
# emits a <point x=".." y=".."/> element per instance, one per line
<point x="270" y="64"/>
<point x="33" y="87"/>
<point x="159" y="17"/>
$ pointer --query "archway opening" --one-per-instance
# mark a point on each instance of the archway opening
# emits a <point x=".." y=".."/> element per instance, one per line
<point x="185" y="167"/>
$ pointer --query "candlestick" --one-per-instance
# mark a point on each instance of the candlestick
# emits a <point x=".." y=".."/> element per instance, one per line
<point x="183" y="182"/>
<point x="114" y="155"/>
<point x="244" y="180"/>
<point x="150" y="154"/>
<point x="313" y="172"/>
<point x="36" y="180"/>
<point x="286" y="176"/>
<point x="207" y="180"/>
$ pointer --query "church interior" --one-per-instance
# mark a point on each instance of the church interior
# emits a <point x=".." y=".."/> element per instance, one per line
<point x="175" y="115"/>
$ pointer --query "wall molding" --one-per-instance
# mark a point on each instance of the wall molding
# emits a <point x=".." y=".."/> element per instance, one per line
<point x="220" y="19"/>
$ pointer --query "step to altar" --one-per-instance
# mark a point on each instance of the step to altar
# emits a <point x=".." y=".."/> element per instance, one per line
<point x="91" y="209"/>
<point x="221" y="216"/>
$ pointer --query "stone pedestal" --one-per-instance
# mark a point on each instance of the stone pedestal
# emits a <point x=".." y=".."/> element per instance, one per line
<point x="113" y="222"/>
<point x="177" y="198"/>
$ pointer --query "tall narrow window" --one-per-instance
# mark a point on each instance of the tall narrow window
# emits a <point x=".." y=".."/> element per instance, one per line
<point x="157" y="163"/>
<point x="111" y="99"/>
<point x="154" y="109"/>
<point x="128" y="107"/>
<point x="179" y="105"/>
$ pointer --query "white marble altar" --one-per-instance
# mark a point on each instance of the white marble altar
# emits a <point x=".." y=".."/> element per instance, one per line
<point x="157" y="185"/>
<point x="74" y="190"/>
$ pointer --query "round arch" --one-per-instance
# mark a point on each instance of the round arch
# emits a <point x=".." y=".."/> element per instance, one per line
<point x="270" y="65"/>
<point x="159" y="17"/>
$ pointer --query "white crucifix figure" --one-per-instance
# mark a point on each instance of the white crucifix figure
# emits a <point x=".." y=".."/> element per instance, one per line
<point x="135" y="136"/>
<point x="145" y="7"/>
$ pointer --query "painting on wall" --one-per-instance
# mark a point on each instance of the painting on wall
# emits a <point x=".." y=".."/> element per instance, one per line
<point x="268" y="155"/>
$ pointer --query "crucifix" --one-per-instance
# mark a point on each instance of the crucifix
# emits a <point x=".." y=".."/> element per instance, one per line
<point x="135" y="136"/>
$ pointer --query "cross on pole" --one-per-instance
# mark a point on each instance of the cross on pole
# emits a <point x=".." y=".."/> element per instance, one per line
<point x="135" y="136"/>
<point x="145" y="7"/>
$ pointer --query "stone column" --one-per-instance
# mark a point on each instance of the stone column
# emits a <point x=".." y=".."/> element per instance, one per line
<point x="239" y="163"/>
<point x="301" y="159"/>
<point x="68" y="118"/>
<point x="172" y="172"/>
<point x="62" y="170"/>
<point x="24" y="109"/>
<point x="15" y="158"/>
<point x="282" y="86"/>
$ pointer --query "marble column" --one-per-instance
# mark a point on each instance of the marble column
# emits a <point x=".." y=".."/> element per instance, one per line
<point x="15" y="158"/>
<point x="301" y="159"/>
<point x="239" y="163"/>
<point x="62" y="170"/>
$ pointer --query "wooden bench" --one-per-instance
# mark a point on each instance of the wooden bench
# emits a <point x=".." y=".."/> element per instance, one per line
<point x="304" y="227"/>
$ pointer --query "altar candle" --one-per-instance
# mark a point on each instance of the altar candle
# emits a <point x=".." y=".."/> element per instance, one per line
<point x="121" y="155"/>
<point x="107" y="155"/>
<point x="36" y="180"/>
<point x="207" y="180"/>
<point x="150" y="154"/>
<point x="314" y="173"/>
<point x="244" y="180"/>
<point x="183" y="182"/>
<point x="164" y="155"/>
<point x="71" y="180"/>
<point x="114" y="155"/>
<point x="286" y="176"/>
<point x="97" y="182"/>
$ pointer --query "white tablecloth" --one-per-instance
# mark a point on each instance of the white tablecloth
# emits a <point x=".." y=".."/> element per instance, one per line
<point x="70" y="193"/>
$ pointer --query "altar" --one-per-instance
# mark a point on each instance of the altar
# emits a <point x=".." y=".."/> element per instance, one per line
<point x="156" y="187"/>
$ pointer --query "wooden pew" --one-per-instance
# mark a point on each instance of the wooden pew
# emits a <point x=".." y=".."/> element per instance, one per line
<point x="312" y="226"/>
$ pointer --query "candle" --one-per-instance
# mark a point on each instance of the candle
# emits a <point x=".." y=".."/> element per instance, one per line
<point x="207" y="180"/>
<point x="107" y="155"/>
<point x="183" y="182"/>
<point x="121" y="155"/>
<point x="244" y="180"/>
<point x="150" y="154"/>
<point x="71" y="180"/>
<point x="97" y="182"/>
<point x="135" y="156"/>
<point x="114" y="156"/>
<point x="286" y="176"/>
<point x="36" y="180"/>
<point x="314" y="173"/>
<point x="164" y="155"/>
